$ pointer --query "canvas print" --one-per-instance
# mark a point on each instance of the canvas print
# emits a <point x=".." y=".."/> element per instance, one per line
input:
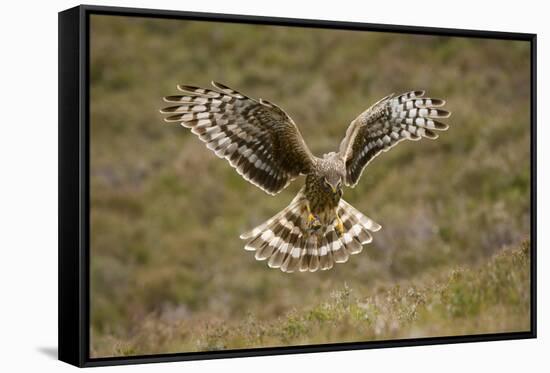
<point x="258" y="186"/>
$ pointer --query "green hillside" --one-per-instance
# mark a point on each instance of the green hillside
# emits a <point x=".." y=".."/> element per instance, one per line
<point x="168" y="270"/>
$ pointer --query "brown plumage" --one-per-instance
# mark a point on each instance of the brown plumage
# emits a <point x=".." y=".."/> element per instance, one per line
<point x="264" y="145"/>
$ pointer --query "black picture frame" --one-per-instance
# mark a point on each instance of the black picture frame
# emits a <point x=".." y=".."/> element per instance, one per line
<point x="74" y="189"/>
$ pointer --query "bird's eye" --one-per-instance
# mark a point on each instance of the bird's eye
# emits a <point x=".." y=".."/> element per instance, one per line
<point x="327" y="184"/>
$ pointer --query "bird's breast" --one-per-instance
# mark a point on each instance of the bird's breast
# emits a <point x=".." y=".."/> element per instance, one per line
<point x="321" y="199"/>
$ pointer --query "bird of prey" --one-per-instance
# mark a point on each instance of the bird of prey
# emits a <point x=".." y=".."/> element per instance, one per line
<point x="260" y="140"/>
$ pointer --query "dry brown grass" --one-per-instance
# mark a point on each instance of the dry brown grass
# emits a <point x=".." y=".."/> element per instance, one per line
<point x="168" y="270"/>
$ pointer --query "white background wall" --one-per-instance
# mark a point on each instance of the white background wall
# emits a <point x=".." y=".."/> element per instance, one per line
<point x="28" y="184"/>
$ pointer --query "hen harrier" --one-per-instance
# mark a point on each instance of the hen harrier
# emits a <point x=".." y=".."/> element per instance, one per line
<point x="264" y="145"/>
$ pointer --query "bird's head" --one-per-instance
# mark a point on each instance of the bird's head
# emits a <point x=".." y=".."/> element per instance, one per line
<point x="332" y="181"/>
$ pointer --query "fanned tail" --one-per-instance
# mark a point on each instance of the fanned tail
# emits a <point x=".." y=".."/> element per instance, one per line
<point x="287" y="242"/>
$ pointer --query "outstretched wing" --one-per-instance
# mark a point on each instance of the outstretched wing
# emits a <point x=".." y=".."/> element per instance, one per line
<point x="257" y="137"/>
<point x="385" y="124"/>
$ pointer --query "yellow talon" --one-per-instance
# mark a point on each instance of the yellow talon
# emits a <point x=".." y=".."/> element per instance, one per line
<point x="310" y="217"/>
<point x="312" y="220"/>
<point x="339" y="225"/>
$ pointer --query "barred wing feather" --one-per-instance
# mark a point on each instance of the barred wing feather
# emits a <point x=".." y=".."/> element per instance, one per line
<point x="385" y="124"/>
<point x="256" y="137"/>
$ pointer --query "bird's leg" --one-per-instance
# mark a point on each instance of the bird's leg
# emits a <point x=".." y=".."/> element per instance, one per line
<point x="339" y="225"/>
<point x="312" y="220"/>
